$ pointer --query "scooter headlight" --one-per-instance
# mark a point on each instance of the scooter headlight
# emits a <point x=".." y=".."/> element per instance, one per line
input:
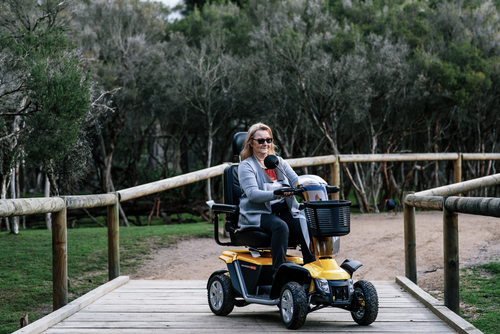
<point x="351" y="287"/>
<point x="323" y="285"/>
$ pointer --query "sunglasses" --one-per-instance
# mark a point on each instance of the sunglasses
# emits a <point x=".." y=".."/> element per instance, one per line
<point x="262" y="140"/>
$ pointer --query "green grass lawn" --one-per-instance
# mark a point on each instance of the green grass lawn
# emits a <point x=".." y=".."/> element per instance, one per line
<point x="480" y="291"/>
<point x="26" y="266"/>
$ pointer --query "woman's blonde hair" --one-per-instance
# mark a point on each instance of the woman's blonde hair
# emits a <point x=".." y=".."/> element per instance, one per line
<point x="247" y="151"/>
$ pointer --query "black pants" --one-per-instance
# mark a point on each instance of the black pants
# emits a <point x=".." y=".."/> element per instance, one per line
<point x="281" y="227"/>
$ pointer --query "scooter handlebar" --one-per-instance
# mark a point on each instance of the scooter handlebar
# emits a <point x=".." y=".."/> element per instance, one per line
<point x="282" y="191"/>
<point x="332" y="189"/>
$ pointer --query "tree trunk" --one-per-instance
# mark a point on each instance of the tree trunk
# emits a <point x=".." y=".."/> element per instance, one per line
<point x="362" y="188"/>
<point x="209" y="160"/>
<point x="363" y="205"/>
<point x="48" y="216"/>
<point x="3" y="195"/>
<point x="108" y="161"/>
<point x="15" y="219"/>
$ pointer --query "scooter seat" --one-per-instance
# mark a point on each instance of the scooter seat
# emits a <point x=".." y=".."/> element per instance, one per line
<point x="254" y="237"/>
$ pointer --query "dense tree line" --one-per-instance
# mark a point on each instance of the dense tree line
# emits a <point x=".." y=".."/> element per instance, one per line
<point x="159" y="98"/>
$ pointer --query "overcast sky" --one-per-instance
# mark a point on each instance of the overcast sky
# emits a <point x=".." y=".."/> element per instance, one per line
<point x="171" y="4"/>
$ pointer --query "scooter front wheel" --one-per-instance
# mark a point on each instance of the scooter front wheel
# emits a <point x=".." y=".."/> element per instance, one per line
<point x="220" y="295"/>
<point x="293" y="305"/>
<point x="365" y="303"/>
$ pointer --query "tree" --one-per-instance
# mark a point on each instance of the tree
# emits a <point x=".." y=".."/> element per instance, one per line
<point x="45" y="94"/>
<point x="208" y="81"/>
<point x="120" y="38"/>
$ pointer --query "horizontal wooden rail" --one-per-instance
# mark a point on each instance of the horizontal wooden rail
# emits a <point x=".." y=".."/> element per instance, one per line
<point x="90" y="201"/>
<point x="462" y="187"/>
<point x="173" y="182"/>
<point x="424" y="202"/>
<point x="480" y="156"/>
<point x="30" y="206"/>
<point x="399" y="157"/>
<point x="313" y="161"/>
<point x="485" y="206"/>
<point x="329" y="159"/>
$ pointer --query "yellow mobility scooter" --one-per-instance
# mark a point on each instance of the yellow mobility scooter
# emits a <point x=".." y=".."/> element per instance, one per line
<point x="297" y="289"/>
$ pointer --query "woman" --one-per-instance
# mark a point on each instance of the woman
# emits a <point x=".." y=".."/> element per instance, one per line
<point x="259" y="206"/>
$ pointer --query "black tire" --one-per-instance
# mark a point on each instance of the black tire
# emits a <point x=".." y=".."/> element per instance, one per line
<point x="365" y="303"/>
<point x="293" y="305"/>
<point x="220" y="295"/>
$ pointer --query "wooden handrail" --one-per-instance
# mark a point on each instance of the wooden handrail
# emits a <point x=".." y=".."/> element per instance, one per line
<point x="462" y="187"/>
<point x="30" y="206"/>
<point x="480" y="156"/>
<point x="440" y="199"/>
<point x="90" y="201"/>
<point x="173" y="182"/>
<point x="399" y="157"/>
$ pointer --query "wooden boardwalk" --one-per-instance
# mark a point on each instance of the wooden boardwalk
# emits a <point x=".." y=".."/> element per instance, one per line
<point x="181" y="307"/>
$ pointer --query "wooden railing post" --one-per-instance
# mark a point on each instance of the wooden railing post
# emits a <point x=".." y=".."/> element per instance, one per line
<point x="410" y="242"/>
<point x="335" y="177"/>
<point x="457" y="170"/>
<point x="114" y="239"/>
<point x="451" y="261"/>
<point x="59" y="259"/>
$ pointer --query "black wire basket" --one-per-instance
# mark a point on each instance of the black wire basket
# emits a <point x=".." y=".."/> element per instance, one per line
<point x="328" y="218"/>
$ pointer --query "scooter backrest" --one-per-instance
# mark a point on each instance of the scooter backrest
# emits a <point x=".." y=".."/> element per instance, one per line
<point x="232" y="189"/>
<point x="239" y="142"/>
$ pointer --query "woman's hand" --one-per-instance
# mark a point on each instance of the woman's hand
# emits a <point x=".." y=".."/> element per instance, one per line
<point x="287" y="194"/>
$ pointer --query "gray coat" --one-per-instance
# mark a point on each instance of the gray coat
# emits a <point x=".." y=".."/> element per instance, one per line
<point x="255" y="199"/>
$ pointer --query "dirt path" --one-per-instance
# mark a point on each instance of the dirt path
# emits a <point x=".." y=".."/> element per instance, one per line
<point x="375" y="239"/>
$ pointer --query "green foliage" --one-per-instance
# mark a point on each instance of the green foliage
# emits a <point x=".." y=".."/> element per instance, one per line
<point x="462" y="72"/>
<point x="47" y="89"/>
<point x="26" y="268"/>
<point x="213" y="19"/>
<point x="62" y="96"/>
<point x="480" y="291"/>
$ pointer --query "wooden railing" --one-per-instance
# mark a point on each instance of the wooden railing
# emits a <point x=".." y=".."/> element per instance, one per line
<point x="443" y="199"/>
<point x="59" y="205"/>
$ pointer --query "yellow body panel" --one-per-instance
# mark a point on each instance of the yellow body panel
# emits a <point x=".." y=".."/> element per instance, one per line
<point x="264" y="259"/>
<point x="327" y="269"/>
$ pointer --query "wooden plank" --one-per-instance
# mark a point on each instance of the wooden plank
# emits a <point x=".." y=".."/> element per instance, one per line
<point x="130" y="313"/>
<point x="231" y="324"/>
<point x="73" y="307"/>
<point x="158" y="313"/>
<point x="449" y="317"/>
<point x="268" y="324"/>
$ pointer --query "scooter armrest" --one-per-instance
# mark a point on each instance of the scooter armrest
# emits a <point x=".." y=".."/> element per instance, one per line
<point x="225" y="208"/>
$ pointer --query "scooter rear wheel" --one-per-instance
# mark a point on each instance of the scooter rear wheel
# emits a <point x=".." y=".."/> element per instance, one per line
<point x="366" y="303"/>
<point x="220" y="295"/>
<point x="293" y="305"/>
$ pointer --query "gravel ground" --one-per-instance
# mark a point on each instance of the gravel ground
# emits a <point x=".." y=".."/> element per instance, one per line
<point x="377" y="240"/>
